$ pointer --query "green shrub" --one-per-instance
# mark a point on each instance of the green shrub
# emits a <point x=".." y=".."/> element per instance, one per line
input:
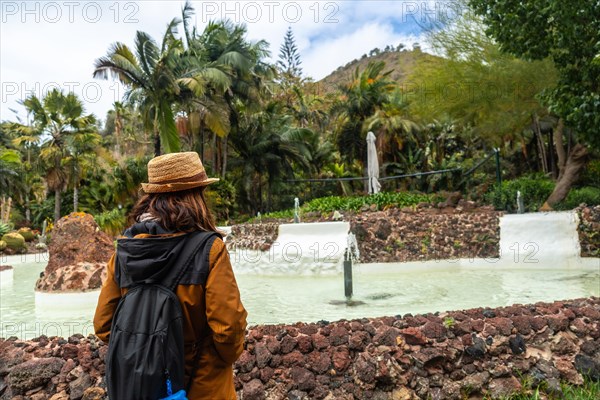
<point x="284" y="214"/>
<point x="2" y="245"/>
<point x="14" y="241"/>
<point x="220" y="197"/>
<point x="534" y="191"/>
<point x="591" y="174"/>
<point x="355" y="203"/>
<point x="112" y="222"/>
<point x="587" y="195"/>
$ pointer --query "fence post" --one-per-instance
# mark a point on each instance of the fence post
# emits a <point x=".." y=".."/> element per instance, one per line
<point x="498" y="172"/>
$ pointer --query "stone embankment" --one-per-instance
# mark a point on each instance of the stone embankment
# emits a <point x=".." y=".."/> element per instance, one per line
<point x="399" y="235"/>
<point x="441" y="356"/>
<point x="589" y="226"/>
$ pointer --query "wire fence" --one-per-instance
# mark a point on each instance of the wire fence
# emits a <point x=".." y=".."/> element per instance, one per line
<point x="466" y="175"/>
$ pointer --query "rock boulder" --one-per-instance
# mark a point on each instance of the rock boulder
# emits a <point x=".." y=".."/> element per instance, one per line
<point x="78" y="252"/>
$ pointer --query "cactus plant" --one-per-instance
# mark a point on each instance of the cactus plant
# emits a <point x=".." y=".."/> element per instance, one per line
<point x="27" y="234"/>
<point x="4" y="229"/>
<point x="2" y="245"/>
<point x="14" y="241"/>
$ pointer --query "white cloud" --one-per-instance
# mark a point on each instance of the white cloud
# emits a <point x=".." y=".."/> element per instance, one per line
<point x="40" y="48"/>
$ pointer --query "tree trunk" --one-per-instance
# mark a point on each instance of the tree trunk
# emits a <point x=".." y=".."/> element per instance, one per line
<point x="541" y="147"/>
<point x="27" y="208"/>
<point x="575" y="163"/>
<point x="269" y="198"/>
<point x="224" y="166"/>
<point x="214" y="155"/>
<point x="560" y="147"/>
<point x="156" y="136"/>
<point x="202" y="140"/>
<point x="56" y="205"/>
<point x="75" y="197"/>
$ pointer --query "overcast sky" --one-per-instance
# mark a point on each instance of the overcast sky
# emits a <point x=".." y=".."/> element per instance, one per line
<point x="47" y="44"/>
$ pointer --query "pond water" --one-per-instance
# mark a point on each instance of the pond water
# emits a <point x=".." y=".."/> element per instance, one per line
<point x="383" y="290"/>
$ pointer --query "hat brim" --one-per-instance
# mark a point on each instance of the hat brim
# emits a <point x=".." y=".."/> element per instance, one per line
<point x="175" y="187"/>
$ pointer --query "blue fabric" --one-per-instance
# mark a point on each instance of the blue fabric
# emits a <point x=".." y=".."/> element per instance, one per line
<point x="181" y="395"/>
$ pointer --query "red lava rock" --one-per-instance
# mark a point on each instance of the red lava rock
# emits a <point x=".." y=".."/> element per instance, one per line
<point x="522" y="323"/>
<point x="32" y="374"/>
<point x="386" y="335"/>
<point x="288" y="344"/>
<point x="504" y="387"/>
<point x="276" y="361"/>
<point x="319" y="341"/>
<point x="293" y="358"/>
<point x="413" y="336"/>
<point x="538" y="323"/>
<point x="273" y="344"/>
<point x="305" y="344"/>
<point x="338" y="336"/>
<point x="503" y="325"/>
<point x="557" y="322"/>
<point x="303" y="378"/>
<point x="320" y="362"/>
<point x="428" y="356"/>
<point x="246" y="362"/>
<point x="254" y="390"/>
<point x="263" y="355"/>
<point x="564" y="346"/>
<point x="70" y="351"/>
<point x="341" y="358"/>
<point x="365" y="368"/>
<point x="356" y="326"/>
<point x="358" y="340"/>
<point x="434" y="330"/>
<point x="266" y="374"/>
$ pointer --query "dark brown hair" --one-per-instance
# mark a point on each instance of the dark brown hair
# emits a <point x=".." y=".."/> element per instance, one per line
<point x="183" y="211"/>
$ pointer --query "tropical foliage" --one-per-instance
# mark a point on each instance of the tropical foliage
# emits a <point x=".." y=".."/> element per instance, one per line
<point x="270" y="134"/>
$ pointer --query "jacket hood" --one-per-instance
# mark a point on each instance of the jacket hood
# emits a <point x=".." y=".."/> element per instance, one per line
<point x="147" y="259"/>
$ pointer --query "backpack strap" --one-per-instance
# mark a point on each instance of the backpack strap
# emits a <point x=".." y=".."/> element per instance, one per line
<point x="196" y="242"/>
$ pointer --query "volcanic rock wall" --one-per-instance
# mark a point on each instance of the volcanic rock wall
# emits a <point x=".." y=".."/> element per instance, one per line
<point x="443" y="356"/>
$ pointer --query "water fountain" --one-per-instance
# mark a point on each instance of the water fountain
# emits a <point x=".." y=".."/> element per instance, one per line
<point x="296" y="210"/>
<point x="301" y="278"/>
<point x="520" y="203"/>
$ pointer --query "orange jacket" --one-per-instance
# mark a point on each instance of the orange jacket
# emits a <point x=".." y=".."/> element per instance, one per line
<point x="213" y="317"/>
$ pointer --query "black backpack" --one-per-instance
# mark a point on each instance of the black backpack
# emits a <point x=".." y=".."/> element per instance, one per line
<point x="145" y="358"/>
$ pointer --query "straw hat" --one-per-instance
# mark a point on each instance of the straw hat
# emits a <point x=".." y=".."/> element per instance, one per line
<point x="174" y="172"/>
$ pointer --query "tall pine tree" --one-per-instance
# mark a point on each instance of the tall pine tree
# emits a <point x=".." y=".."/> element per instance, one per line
<point x="289" y="57"/>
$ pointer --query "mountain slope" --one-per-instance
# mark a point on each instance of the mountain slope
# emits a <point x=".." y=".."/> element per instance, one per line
<point x="401" y="63"/>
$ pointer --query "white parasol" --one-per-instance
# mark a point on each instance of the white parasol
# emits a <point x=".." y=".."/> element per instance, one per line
<point x="372" y="165"/>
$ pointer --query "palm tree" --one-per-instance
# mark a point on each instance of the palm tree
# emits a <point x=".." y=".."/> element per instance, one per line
<point x="267" y="150"/>
<point x="393" y="127"/>
<point x="61" y="118"/>
<point x="225" y="44"/>
<point x="150" y="80"/>
<point x="80" y="159"/>
<point x="360" y="99"/>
